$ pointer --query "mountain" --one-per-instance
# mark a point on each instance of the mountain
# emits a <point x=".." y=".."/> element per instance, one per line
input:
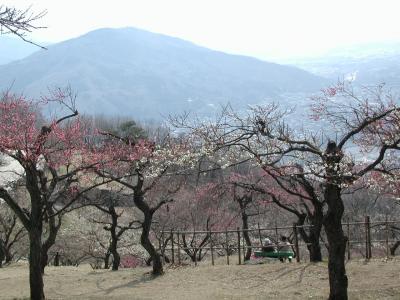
<point x="366" y="70"/>
<point x="371" y="63"/>
<point x="145" y="75"/>
<point x="12" y="48"/>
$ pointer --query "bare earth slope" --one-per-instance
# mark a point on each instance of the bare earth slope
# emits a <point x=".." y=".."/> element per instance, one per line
<point x="374" y="280"/>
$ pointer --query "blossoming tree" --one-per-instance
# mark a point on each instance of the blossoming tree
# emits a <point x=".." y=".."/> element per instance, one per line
<point x="143" y="167"/>
<point x="352" y="126"/>
<point x="48" y="153"/>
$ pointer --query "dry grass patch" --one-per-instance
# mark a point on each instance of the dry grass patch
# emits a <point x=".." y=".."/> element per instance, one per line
<point x="376" y="279"/>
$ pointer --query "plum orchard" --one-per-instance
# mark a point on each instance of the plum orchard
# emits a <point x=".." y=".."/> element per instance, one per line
<point x="316" y="166"/>
<point x="143" y="167"/>
<point x="62" y="161"/>
<point x="197" y="207"/>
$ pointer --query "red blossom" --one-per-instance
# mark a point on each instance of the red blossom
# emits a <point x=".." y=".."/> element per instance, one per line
<point x="23" y="137"/>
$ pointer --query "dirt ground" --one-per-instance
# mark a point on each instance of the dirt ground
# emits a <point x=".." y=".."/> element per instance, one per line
<point x="376" y="279"/>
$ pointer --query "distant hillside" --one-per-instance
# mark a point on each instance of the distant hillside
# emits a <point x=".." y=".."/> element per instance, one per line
<point x="142" y="74"/>
<point x="12" y="48"/>
<point x="366" y="64"/>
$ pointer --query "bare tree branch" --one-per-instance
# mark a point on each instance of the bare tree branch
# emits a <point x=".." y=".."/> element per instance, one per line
<point x="20" y="22"/>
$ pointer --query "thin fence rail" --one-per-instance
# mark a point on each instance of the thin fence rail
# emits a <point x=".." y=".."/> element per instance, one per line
<point x="231" y="242"/>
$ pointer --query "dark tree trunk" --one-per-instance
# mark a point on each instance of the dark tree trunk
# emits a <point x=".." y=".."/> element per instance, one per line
<point x="195" y="255"/>
<point x="337" y="246"/>
<point x="394" y="248"/>
<point x="146" y="243"/>
<point x="44" y="260"/>
<point x="192" y="254"/>
<point x="57" y="260"/>
<point x="163" y="246"/>
<point x="35" y="230"/>
<point x="314" y="249"/>
<point x="315" y="233"/>
<point x="313" y="244"/>
<point x="245" y="226"/>
<point x="6" y="255"/>
<point x="149" y="260"/>
<point x="2" y="254"/>
<point x="146" y="226"/>
<point x="114" y="239"/>
<point x="51" y="239"/>
<point x="9" y="255"/>
<point x="195" y="252"/>
<point x="189" y="251"/>
<point x="107" y="260"/>
<point x="312" y="238"/>
<point x="116" y="257"/>
<point x="35" y="264"/>
<point x="244" y="201"/>
<point x="116" y="261"/>
<point x="338" y="281"/>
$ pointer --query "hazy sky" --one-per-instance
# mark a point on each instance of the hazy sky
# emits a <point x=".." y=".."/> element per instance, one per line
<point x="263" y="28"/>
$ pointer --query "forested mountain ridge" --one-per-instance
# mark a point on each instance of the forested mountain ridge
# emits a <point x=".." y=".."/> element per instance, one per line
<point x="135" y="72"/>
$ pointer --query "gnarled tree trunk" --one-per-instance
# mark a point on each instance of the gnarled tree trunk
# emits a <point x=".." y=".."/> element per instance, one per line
<point x="146" y="243"/>
<point x="243" y="202"/>
<point x="35" y="264"/>
<point x="116" y="260"/>
<point x="9" y="255"/>
<point x="394" y="248"/>
<point x="146" y="226"/>
<point x="314" y="249"/>
<point x="245" y="226"/>
<point x="51" y="239"/>
<point x="338" y="281"/>
<point x="312" y="238"/>
<point x="114" y="239"/>
<point x="57" y="260"/>
<point x="193" y="250"/>
<point x="107" y="260"/>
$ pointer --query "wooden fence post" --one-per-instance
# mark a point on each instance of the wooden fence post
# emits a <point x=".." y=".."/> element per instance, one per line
<point x="194" y="250"/>
<point x="244" y="248"/>
<point x="387" y="237"/>
<point x="159" y="243"/>
<point x="259" y="234"/>
<point x="211" y="248"/>
<point x="238" y="238"/>
<point x="162" y="247"/>
<point x="195" y="256"/>
<point x="179" y="248"/>
<point x="348" y="240"/>
<point x="227" y="246"/>
<point x="296" y="243"/>
<point x="367" y="238"/>
<point x="172" y="247"/>
<point x="276" y="237"/>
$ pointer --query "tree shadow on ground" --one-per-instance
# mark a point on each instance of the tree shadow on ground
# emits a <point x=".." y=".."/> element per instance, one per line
<point x="146" y="277"/>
